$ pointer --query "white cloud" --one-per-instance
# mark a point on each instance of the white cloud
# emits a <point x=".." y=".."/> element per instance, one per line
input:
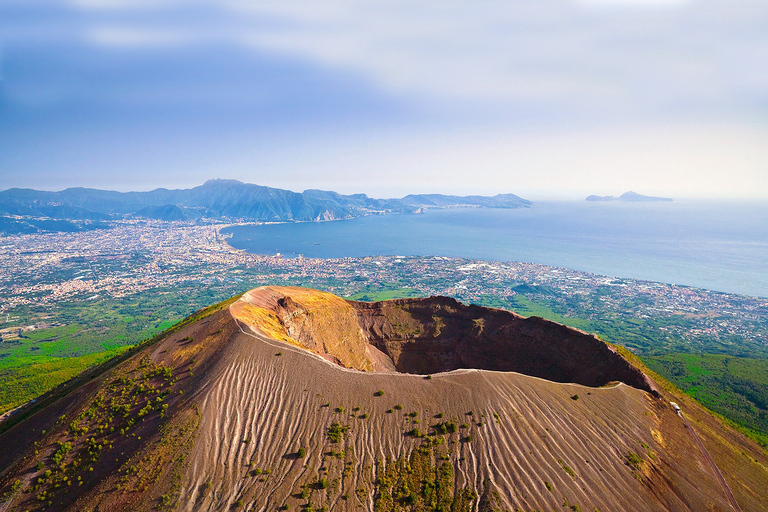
<point x="633" y="3"/>
<point x="131" y="37"/>
<point x="122" y="5"/>
<point x="559" y="69"/>
<point x="579" y="55"/>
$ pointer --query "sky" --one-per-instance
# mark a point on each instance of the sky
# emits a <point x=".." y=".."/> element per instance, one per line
<point x="545" y="98"/>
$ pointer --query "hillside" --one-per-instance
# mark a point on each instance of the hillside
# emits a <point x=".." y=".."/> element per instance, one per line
<point x="27" y="210"/>
<point x="287" y="398"/>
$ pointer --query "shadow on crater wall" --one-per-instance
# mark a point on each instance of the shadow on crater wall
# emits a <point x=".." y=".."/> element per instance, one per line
<point x="439" y="334"/>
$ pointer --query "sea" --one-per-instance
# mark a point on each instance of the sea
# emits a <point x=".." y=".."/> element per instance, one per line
<point x="716" y="245"/>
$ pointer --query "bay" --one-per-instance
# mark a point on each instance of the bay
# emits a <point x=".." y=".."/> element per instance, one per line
<point x="720" y="246"/>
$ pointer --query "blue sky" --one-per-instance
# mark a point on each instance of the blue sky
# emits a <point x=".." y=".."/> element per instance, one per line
<point x="553" y="98"/>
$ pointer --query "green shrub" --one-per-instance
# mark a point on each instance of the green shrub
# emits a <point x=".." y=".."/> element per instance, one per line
<point x="440" y="429"/>
<point x="566" y="468"/>
<point x="633" y="460"/>
<point x="336" y="432"/>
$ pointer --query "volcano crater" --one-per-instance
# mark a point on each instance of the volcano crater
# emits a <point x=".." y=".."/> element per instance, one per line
<point x="434" y="335"/>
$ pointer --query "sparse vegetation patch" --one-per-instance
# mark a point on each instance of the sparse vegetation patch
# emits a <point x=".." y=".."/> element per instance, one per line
<point x="423" y="480"/>
<point x="336" y="432"/>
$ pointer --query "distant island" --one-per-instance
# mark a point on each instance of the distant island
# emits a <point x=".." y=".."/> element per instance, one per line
<point x="79" y="209"/>
<point x="632" y="197"/>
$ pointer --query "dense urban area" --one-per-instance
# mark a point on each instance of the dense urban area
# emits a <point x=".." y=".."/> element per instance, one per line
<point x="69" y="300"/>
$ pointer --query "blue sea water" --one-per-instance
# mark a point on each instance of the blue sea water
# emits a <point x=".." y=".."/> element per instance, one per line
<point x="719" y="246"/>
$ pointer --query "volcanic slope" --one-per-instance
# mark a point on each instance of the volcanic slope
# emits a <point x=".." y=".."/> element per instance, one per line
<point x="288" y="398"/>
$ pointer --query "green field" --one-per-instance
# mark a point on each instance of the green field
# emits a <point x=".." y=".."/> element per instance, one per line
<point x="736" y="387"/>
<point x="41" y="373"/>
<point x="87" y="333"/>
<point x="384" y="294"/>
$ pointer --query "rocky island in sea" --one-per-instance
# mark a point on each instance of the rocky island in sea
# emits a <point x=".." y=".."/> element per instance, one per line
<point x="632" y="197"/>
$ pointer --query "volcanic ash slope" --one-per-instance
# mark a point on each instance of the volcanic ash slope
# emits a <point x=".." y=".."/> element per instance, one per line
<point x="291" y="398"/>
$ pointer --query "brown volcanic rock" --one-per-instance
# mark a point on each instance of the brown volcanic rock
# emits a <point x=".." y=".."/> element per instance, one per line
<point x="434" y="335"/>
<point x="317" y="321"/>
<point x="243" y="396"/>
<point x="440" y="334"/>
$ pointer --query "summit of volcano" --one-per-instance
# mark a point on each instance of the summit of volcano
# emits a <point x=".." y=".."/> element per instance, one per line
<point x="286" y="398"/>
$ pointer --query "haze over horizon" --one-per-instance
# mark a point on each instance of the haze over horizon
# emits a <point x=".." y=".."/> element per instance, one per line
<point x="559" y="99"/>
<point x="489" y="193"/>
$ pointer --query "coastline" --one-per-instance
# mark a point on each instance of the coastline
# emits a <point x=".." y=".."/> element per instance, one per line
<point x="713" y="262"/>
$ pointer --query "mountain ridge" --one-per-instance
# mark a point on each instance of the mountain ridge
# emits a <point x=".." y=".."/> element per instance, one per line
<point x="219" y="200"/>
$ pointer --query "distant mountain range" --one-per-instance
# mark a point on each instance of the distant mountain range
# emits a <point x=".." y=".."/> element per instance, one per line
<point x="633" y="197"/>
<point x="75" y="209"/>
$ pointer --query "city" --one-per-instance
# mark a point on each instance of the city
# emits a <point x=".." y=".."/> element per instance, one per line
<point x="140" y="256"/>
